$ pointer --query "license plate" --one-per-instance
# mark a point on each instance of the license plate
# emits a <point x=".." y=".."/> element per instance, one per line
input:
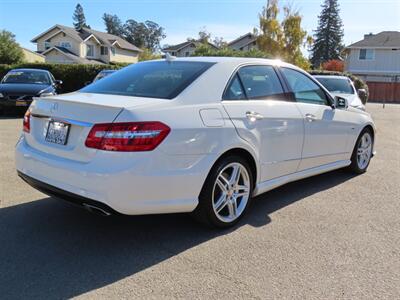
<point x="21" y="103"/>
<point x="57" y="132"/>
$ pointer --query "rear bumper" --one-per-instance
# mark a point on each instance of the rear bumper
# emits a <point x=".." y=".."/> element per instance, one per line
<point x="131" y="183"/>
<point x="64" y="195"/>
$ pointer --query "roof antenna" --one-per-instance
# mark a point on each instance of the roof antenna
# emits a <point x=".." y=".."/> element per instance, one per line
<point x="169" y="57"/>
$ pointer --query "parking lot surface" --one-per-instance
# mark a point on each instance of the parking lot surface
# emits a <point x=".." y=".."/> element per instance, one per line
<point x="333" y="236"/>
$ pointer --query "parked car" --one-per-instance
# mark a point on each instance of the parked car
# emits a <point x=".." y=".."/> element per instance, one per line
<point x="102" y="74"/>
<point x="200" y="135"/>
<point x="19" y="86"/>
<point x="342" y="86"/>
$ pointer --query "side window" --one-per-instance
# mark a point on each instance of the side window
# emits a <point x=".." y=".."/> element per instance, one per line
<point x="304" y="89"/>
<point x="234" y="90"/>
<point x="261" y="82"/>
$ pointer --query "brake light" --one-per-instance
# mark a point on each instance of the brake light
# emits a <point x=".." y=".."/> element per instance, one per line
<point x="26" y="125"/>
<point x="133" y="136"/>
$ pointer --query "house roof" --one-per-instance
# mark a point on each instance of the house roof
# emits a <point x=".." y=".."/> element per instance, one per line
<point x="110" y="39"/>
<point x="84" y="33"/>
<point x="242" y="37"/>
<point x="185" y="44"/>
<point x="384" y="39"/>
<point x="33" y="52"/>
<point x="72" y="56"/>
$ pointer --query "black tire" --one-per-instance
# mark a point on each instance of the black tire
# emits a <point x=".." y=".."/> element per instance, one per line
<point x="204" y="212"/>
<point x="354" y="166"/>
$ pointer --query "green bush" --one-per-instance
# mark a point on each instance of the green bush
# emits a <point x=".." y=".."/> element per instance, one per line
<point x="358" y="83"/>
<point x="74" y="76"/>
<point x="205" y="50"/>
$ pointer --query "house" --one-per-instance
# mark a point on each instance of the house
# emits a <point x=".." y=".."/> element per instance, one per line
<point x="245" y="42"/>
<point x="66" y="45"/>
<point x="32" y="56"/>
<point x="185" y="49"/>
<point x="376" y="59"/>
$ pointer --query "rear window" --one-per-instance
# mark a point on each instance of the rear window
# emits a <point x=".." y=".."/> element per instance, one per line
<point x="160" y="79"/>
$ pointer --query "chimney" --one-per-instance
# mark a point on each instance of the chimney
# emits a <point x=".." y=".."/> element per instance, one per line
<point x="367" y="36"/>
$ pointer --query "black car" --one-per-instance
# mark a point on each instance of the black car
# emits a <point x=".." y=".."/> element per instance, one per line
<point x="19" y="86"/>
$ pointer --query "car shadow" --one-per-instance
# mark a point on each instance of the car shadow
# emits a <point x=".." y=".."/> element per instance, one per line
<point x="51" y="249"/>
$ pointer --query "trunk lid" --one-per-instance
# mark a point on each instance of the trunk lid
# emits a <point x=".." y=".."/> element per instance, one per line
<point x="81" y="111"/>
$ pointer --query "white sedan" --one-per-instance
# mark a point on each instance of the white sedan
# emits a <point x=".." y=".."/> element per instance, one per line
<point x="343" y="87"/>
<point x="200" y="135"/>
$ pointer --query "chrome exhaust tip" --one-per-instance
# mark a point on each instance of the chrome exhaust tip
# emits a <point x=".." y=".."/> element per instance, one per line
<point x="96" y="210"/>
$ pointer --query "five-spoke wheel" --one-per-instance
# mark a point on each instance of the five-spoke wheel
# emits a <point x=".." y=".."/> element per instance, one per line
<point x="226" y="193"/>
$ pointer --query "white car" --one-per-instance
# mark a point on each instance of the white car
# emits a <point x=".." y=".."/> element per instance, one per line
<point x="201" y="135"/>
<point x="343" y="87"/>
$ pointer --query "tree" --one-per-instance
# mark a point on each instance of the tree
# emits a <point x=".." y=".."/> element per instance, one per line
<point x="329" y="35"/>
<point x="155" y="33"/>
<point x="79" y="18"/>
<point x="113" y="25"/>
<point x="333" y="65"/>
<point x="270" y="34"/>
<point x="10" y="51"/>
<point x="144" y="35"/>
<point x="220" y="42"/>
<point x="282" y="39"/>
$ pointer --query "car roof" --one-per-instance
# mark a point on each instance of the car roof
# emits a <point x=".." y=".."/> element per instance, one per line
<point x="332" y="76"/>
<point x="231" y="60"/>
<point x="39" y="70"/>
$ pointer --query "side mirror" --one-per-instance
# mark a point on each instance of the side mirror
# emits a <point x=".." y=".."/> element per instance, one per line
<point x="341" y="103"/>
<point x="58" y="82"/>
<point x="362" y="93"/>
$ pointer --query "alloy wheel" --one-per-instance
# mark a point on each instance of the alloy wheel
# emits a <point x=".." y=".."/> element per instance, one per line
<point x="364" y="150"/>
<point x="231" y="192"/>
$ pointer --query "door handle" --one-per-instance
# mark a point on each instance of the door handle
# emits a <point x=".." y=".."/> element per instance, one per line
<point x="311" y="118"/>
<point x="254" y="116"/>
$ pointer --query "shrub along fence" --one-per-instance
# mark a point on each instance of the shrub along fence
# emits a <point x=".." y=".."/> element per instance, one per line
<point x="358" y="83"/>
<point x="74" y="76"/>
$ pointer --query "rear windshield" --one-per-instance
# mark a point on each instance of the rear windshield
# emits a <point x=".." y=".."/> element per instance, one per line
<point x="160" y="79"/>
<point x="336" y="85"/>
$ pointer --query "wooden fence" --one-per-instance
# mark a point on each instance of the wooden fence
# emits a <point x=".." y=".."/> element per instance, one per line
<point x="388" y="92"/>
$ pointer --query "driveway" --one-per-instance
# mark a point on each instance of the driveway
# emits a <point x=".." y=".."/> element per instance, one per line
<point x="333" y="236"/>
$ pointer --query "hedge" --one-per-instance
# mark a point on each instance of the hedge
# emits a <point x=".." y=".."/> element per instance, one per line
<point x="358" y="83"/>
<point x="74" y="76"/>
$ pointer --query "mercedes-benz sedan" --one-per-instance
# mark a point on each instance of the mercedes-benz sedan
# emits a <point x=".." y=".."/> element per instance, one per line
<point x="200" y="135"/>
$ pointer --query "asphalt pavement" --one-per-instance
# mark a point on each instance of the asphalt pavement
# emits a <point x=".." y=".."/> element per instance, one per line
<point x="332" y="236"/>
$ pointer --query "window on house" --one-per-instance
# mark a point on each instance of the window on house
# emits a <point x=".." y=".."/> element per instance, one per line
<point x="187" y="53"/>
<point x="65" y="45"/>
<point x="113" y="50"/>
<point x="173" y="53"/>
<point x="366" y="54"/>
<point x="89" y="50"/>
<point x="104" y="50"/>
<point x="47" y="45"/>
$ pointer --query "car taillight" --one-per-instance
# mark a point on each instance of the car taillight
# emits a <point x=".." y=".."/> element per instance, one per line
<point x="26" y="125"/>
<point x="133" y="136"/>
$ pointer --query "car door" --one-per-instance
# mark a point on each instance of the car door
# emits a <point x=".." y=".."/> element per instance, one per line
<point x="263" y="116"/>
<point x="326" y="128"/>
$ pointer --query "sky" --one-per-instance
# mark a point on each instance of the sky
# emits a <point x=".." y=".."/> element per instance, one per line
<point x="182" y="19"/>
